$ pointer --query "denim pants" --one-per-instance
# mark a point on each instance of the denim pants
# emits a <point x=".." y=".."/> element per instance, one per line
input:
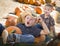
<point x="1" y="29"/>
<point x="47" y="38"/>
<point x="27" y="38"/>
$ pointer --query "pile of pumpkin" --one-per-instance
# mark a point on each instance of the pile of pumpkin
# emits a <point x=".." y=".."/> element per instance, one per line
<point x="36" y="2"/>
<point x="35" y="10"/>
<point x="33" y="2"/>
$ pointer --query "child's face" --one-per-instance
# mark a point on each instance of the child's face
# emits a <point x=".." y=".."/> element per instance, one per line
<point x="29" y="21"/>
<point x="47" y="10"/>
<point x="12" y="20"/>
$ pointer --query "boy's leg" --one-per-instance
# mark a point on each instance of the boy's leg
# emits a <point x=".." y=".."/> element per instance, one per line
<point x="27" y="38"/>
<point x="4" y="36"/>
<point x="21" y="38"/>
<point x="1" y="29"/>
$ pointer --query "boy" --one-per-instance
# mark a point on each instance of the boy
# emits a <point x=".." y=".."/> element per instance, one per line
<point x="28" y="28"/>
<point x="48" y="19"/>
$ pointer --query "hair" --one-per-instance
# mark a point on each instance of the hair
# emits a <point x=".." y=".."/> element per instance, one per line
<point x="21" y="18"/>
<point x="49" y="5"/>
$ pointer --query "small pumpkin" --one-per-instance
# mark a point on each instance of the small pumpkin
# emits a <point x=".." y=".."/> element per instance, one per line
<point x="26" y="1"/>
<point x="38" y="10"/>
<point x="17" y="11"/>
<point x="13" y="29"/>
<point x="42" y="1"/>
<point x="31" y="1"/>
<point x="24" y="7"/>
<point x="20" y="1"/>
<point x="37" y="3"/>
<point x="39" y="39"/>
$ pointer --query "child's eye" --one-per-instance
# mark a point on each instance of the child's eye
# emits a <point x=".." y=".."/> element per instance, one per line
<point x="27" y="17"/>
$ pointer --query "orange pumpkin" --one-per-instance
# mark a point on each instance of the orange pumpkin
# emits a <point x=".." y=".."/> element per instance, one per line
<point x="38" y="10"/>
<point x="26" y="1"/>
<point x="20" y="1"/>
<point x="37" y="3"/>
<point x="14" y="29"/>
<point x="39" y="39"/>
<point x="17" y="11"/>
<point x="31" y="1"/>
<point x="42" y="1"/>
<point x="25" y="7"/>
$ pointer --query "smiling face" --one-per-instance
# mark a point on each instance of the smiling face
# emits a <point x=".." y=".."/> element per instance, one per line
<point x="47" y="10"/>
<point x="30" y="21"/>
<point x="11" y="21"/>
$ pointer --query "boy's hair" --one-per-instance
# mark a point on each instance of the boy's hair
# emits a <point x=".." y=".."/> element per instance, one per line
<point x="49" y="5"/>
<point x="22" y="16"/>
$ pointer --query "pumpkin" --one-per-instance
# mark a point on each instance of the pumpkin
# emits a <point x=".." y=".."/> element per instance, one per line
<point x="31" y="1"/>
<point x="37" y="3"/>
<point x="17" y="11"/>
<point x="13" y="29"/>
<point x="24" y="7"/>
<point x="47" y="1"/>
<point x="20" y="1"/>
<point x="26" y="1"/>
<point x="42" y="1"/>
<point x="39" y="39"/>
<point x="38" y="10"/>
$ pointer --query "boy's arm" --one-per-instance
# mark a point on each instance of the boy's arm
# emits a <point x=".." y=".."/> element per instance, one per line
<point x="52" y="23"/>
<point x="45" y="29"/>
<point x="52" y="28"/>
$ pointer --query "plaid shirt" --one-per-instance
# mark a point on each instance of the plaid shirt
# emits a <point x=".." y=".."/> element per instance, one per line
<point x="49" y="21"/>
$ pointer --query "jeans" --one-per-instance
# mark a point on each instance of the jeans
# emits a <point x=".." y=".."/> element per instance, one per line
<point x="1" y="29"/>
<point x="47" y="38"/>
<point x="27" y="38"/>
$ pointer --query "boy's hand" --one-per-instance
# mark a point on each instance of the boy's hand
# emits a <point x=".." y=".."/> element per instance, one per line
<point x="40" y="20"/>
